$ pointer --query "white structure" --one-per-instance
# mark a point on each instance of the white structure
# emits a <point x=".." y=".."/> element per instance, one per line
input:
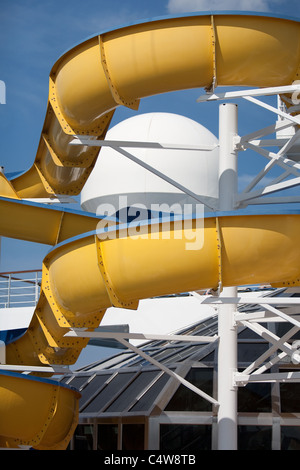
<point x="192" y="168"/>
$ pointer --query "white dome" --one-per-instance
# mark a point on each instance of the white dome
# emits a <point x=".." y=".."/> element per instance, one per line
<point x="114" y="175"/>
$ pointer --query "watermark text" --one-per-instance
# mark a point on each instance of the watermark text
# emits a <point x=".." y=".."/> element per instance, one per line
<point x="160" y="221"/>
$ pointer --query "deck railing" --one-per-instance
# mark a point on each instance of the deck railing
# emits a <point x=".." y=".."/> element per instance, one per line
<point x="20" y="288"/>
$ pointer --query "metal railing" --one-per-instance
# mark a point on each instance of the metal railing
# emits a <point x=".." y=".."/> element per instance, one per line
<point x="20" y="288"/>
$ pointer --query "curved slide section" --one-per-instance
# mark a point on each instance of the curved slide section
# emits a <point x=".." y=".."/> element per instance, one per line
<point x="36" y="412"/>
<point x="38" y="223"/>
<point x="84" y="275"/>
<point x="122" y="66"/>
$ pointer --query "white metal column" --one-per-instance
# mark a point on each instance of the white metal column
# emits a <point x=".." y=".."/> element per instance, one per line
<point x="227" y="354"/>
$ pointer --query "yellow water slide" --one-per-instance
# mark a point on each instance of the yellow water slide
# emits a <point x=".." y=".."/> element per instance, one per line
<point x="87" y="270"/>
<point x="36" y="412"/>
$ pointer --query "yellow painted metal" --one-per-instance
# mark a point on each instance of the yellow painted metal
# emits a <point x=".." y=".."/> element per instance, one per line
<point x="121" y="67"/>
<point x="268" y="246"/>
<point x="37" y="413"/>
<point x="41" y="223"/>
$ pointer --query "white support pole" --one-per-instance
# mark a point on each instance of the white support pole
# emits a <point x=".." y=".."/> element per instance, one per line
<point x="228" y="156"/>
<point x="2" y="343"/>
<point x="227" y="354"/>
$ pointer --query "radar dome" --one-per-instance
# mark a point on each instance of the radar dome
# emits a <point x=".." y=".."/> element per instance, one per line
<point x="116" y="178"/>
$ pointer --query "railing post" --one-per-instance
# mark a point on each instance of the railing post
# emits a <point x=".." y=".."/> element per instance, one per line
<point x="227" y="352"/>
<point x="8" y="290"/>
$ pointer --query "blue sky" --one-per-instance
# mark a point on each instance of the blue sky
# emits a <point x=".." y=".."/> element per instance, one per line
<point x="34" y="33"/>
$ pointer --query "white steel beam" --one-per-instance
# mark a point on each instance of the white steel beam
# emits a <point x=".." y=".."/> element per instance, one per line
<point x="82" y="333"/>
<point x="284" y="149"/>
<point x="272" y="109"/>
<point x="280" y="142"/>
<point x="282" y="377"/>
<point x="286" y="301"/>
<point x="283" y="315"/>
<point x="259" y="177"/>
<point x="273" y="188"/>
<point x="116" y="144"/>
<point x="173" y="374"/>
<point x="263" y="317"/>
<point x="285" y="163"/>
<point x="272" y="362"/>
<point x="249" y="92"/>
<point x="270" y="337"/>
<point x="28" y="369"/>
<point x="207" y="201"/>
<point x="263" y="357"/>
<point x="55" y="200"/>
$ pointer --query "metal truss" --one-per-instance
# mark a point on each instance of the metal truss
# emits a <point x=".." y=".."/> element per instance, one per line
<point x="270" y="311"/>
<point x="257" y="142"/>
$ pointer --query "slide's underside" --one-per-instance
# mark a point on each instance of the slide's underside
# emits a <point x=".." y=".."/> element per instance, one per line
<point x="87" y="271"/>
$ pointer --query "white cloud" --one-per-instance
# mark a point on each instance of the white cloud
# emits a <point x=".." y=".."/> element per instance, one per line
<point x="180" y="6"/>
<point x="245" y="179"/>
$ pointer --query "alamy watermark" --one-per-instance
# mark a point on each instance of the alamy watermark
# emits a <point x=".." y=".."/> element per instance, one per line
<point x="160" y="221"/>
<point x="2" y="92"/>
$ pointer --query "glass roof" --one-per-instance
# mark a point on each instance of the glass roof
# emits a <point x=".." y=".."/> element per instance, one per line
<point x="127" y="383"/>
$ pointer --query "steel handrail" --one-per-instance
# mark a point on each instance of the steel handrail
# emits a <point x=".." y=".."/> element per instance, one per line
<point x="14" y="292"/>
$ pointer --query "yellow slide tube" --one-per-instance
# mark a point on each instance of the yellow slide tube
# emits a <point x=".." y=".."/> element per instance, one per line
<point x="121" y="67"/>
<point x="36" y="412"/>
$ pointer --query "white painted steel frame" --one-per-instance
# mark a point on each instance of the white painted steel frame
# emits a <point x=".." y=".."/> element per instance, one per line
<point x="253" y="322"/>
<point x="248" y="142"/>
<point x="227" y="330"/>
